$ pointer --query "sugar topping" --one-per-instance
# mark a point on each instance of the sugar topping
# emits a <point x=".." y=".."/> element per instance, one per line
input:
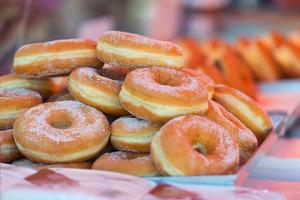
<point x="36" y="122"/>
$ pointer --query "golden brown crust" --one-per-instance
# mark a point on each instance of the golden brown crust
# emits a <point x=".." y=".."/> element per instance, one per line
<point x="14" y="102"/>
<point x="86" y="85"/>
<point x="255" y="118"/>
<point x="8" y="149"/>
<point x="133" y="134"/>
<point x="141" y="45"/>
<point x="126" y="162"/>
<point x="52" y="64"/>
<point x="69" y="131"/>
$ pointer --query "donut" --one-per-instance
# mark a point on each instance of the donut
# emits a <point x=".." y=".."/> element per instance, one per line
<point x="39" y="166"/>
<point x="288" y="56"/>
<point x="245" y="139"/>
<point x="69" y="131"/>
<point x="259" y="59"/>
<point x="236" y="73"/>
<point x="8" y="149"/>
<point x="136" y="164"/>
<point x="159" y="94"/>
<point x="15" y="101"/>
<point x="40" y="60"/>
<point x="132" y="50"/>
<point x="194" y="145"/>
<point x="133" y="134"/>
<point x="204" y="79"/>
<point x="90" y="87"/>
<point x="45" y="87"/>
<point x="245" y="109"/>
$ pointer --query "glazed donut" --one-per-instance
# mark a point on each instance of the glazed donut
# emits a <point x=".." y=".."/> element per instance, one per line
<point x="45" y="87"/>
<point x="8" y="149"/>
<point x="39" y="166"/>
<point x="159" y="94"/>
<point x="133" y="50"/>
<point x="245" y="139"/>
<point x="245" y="109"/>
<point x="15" y="101"/>
<point x="90" y="87"/>
<point x="126" y="162"/>
<point x="133" y="134"/>
<point x="194" y="145"/>
<point x="40" y="60"/>
<point x="204" y="79"/>
<point x="69" y="131"/>
<point x="258" y="58"/>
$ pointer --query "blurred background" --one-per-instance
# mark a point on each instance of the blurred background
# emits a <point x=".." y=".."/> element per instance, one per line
<point x="26" y="21"/>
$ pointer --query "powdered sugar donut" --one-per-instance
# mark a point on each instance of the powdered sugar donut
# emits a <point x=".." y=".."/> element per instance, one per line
<point x="90" y="87"/>
<point x="14" y="102"/>
<point x="194" y="145"/>
<point x="133" y="50"/>
<point x="126" y="162"/>
<point x="133" y="134"/>
<point x="159" y="94"/>
<point x="58" y="57"/>
<point x="69" y="131"/>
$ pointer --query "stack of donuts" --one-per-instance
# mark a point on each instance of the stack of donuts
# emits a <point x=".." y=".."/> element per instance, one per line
<point x="267" y="57"/>
<point x="128" y="107"/>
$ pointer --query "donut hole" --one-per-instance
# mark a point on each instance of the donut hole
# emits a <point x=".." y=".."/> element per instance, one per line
<point x="168" y="80"/>
<point x="61" y="120"/>
<point x="200" y="148"/>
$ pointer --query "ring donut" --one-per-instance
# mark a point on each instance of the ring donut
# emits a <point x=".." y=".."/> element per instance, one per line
<point x="15" y="101"/>
<point x="90" y="87"/>
<point x="159" y="94"/>
<point x="8" y="149"/>
<point x="246" y="140"/>
<point x="133" y="50"/>
<point x="44" y="87"/>
<point x="132" y="134"/>
<point x="40" y="60"/>
<point x="126" y="162"/>
<point x="204" y="79"/>
<point x="245" y="109"/>
<point x="69" y="131"/>
<point x="175" y="147"/>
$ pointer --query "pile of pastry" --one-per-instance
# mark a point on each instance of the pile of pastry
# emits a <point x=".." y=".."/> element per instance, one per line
<point x="267" y="57"/>
<point x="141" y="113"/>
